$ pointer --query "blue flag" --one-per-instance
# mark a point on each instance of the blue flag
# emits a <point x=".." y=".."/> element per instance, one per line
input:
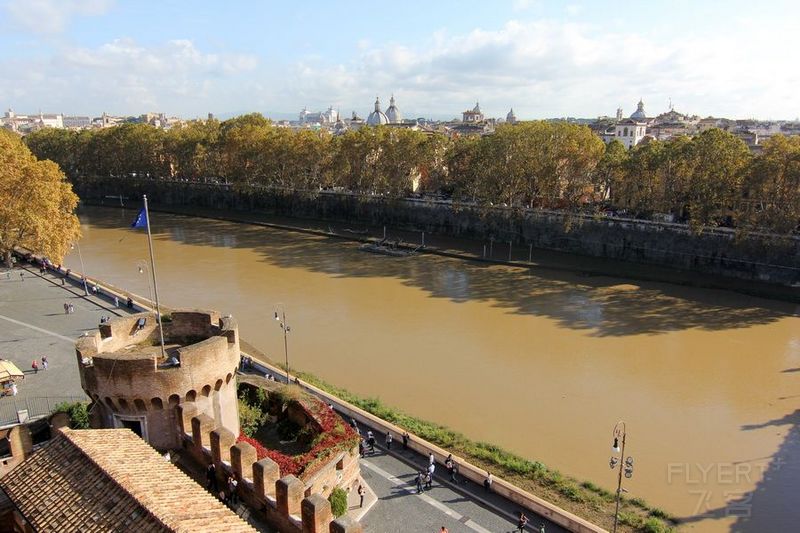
<point x="141" y="220"/>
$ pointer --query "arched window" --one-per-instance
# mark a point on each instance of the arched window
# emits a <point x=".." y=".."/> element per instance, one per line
<point x="625" y="132"/>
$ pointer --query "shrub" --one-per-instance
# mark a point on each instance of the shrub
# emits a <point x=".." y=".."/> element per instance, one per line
<point x="338" y="499"/>
<point x="660" y="513"/>
<point x="654" y="525"/>
<point x="78" y="413"/>
<point x="250" y="418"/>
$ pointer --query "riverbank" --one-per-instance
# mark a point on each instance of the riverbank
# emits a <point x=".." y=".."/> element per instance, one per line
<point x="582" y="498"/>
<point x="485" y="252"/>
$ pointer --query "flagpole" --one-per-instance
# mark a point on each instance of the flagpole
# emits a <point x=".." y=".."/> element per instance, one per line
<point x="153" y="272"/>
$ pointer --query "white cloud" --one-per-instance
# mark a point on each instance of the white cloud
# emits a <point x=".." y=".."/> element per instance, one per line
<point x="555" y="68"/>
<point x="52" y="16"/>
<point x="124" y="76"/>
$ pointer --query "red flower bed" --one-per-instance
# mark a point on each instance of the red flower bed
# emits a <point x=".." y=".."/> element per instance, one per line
<point x="336" y="436"/>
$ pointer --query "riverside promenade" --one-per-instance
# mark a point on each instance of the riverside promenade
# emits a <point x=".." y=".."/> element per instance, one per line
<point x="33" y="323"/>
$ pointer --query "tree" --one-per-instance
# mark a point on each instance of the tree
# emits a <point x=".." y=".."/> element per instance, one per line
<point x="719" y="161"/>
<point x="37" y="210"/>
<point x="772" y="187"/>
<point x="611" y="169"/>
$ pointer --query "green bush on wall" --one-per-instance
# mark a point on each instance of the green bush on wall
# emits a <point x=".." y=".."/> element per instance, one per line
<point x="78" y="413"/>
<point x="338" y="499"/>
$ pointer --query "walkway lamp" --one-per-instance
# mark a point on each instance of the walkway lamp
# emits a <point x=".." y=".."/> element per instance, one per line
<point x="625" y="466"/>
<point x="280" y="317"/>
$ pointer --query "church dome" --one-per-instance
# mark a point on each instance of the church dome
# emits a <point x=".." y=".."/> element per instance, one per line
<point x="392" y="113"/>
<point x="511" y="118"/>
<point x="639" y="114"/>
<point x="377" y="117"/>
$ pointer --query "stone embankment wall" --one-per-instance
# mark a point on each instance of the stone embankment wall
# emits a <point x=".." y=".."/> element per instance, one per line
<point x="770" y="259"/>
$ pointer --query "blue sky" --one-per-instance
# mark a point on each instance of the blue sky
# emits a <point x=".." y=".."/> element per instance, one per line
<point x="544" y="58"/>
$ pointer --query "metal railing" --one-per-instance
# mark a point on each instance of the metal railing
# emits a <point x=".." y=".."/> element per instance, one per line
<point x="36" y="407"/>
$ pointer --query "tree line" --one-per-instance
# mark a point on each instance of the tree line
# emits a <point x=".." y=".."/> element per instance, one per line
<point x="710" y="179"/>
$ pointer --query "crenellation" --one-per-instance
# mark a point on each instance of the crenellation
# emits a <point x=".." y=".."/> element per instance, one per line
<point x="243" y="458"/>
<point x="221" y="442"/>
<point x="266" y="474"/>
<point x="289" y="493"/>
<point x="316" y="514"/>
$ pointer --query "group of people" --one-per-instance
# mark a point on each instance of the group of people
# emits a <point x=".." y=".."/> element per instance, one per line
<point x="228" y="493"/>
<point x="35" y="365"/>
<point x="68" y="308"/>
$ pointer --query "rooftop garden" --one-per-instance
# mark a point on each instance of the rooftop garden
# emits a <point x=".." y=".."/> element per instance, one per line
<point x="291" y="427"/>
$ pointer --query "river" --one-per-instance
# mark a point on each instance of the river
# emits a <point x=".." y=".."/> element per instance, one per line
<point x="542" y="363"/>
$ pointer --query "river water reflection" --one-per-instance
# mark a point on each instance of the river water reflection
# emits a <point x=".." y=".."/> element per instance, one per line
<point x="542" y="363"/>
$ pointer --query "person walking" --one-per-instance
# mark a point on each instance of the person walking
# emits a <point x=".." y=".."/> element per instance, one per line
<point x="431" y="458"/>
<point x="428" y="480"/>
<point x="420" y="480"/>
<point x="487" y="483"/>
<point x="35" y="366"/>
<point x="522" y="521"/>
<point x="405" y="440"/>
<point x="361" y="492"/>
<point x="371" y="441"/>
<point x="454" y="473"/>
<point x="389" y="440"/>
<point x="22" y="276"/>
<point x="448" y="464"/>
<point x="362" y="448"/>
<point x="44" y="362"/>
<point x="71" y="308"/>
<point x="116" y="301"/>
<point x="66" y="308"/>
<point x="129" y="303"/>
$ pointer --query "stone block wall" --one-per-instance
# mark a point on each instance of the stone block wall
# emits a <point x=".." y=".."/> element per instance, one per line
<point x="715" y="251"/>
<point x="129" y="383"/>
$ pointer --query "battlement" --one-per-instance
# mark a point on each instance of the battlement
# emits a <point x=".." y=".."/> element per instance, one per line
<point x="288" y="503"/>
<point x="123" y="371"/>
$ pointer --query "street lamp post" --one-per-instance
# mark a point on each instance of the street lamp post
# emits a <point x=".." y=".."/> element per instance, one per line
<point x="83" y="269"/>
<point x="625" y="466"/>
<point x="142" y="267"/>
<point x="281" y="318"/>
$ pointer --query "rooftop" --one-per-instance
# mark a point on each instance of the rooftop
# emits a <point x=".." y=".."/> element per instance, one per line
<point x="110" y="479"/>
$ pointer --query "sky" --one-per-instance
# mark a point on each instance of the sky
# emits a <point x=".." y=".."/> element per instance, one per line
<point x="543" y="58"/>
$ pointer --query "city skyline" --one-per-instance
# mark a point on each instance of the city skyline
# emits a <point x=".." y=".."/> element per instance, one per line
<point x="544" y="59"/>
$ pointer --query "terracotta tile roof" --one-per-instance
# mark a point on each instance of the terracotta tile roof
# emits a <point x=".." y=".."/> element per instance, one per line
<point x="111" y="480"/>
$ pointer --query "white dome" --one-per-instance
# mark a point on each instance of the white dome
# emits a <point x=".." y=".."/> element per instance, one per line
<point x="639" y="114"/>
<point x="377" y="117"/>
<point x="392" y="113"/>
<point x="511" y="117"/>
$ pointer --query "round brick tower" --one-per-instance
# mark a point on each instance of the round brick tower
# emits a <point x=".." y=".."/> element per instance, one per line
<point x="133" y="386"/>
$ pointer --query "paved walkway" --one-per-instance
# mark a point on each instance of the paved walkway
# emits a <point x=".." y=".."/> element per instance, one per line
<point x="33" y="324"/>
<point x="459" y="507"/>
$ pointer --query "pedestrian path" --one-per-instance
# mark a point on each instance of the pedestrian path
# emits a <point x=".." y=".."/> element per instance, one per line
<point x="462" y="506"/>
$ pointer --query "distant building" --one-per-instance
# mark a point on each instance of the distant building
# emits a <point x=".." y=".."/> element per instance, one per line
<point x="630" y="132"/>
<point x="393" y="113"/>
<point x="511" y="118"/>
<point x="77" y="123"/>
<point x="473" y="116"/>
<point x="322" y="118"/>
<point x="377" y="117"/>
<point x="639" y="114"/>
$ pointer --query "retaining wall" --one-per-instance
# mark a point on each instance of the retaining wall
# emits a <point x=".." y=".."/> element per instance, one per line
<point x="758" y="257"/>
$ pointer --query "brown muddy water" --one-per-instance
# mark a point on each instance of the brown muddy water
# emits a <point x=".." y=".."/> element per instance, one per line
<point x="542" y="363"/>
